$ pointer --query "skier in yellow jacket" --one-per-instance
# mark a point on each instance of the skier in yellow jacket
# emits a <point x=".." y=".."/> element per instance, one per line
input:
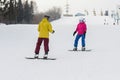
<point x="44" y="28"/>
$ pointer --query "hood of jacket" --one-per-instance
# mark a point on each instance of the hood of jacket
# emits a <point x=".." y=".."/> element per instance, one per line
<point x="44" y="20"/>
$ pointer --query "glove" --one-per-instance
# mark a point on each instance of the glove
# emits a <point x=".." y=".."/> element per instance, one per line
<point x="84" y="32"/>
<point x="74" y="33"/>
<point x="53" y="31"/>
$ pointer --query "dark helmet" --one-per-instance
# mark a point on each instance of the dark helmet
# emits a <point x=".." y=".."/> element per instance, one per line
<point x="47" y="16"/>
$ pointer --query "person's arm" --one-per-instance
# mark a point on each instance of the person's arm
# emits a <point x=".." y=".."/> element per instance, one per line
<point x="39" y="27"/>
<point x="85" y="30"/>
<point x="50" y="28"/>
<point x="75" y="31"/>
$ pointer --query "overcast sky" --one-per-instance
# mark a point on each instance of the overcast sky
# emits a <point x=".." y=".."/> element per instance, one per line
<point x="76" y="5"/>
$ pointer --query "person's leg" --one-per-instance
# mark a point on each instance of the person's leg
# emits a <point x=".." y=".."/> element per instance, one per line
<point x="83" y="42"/>
<point x="39" y="42"/>
<point x="46" y="47"/>
<point x="76" y="41"/>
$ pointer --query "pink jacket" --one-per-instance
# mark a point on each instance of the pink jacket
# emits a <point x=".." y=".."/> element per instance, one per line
<point x="81" y="28"/>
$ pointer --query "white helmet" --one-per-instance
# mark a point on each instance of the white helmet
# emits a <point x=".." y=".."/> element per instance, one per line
<point x="81" y="19"/>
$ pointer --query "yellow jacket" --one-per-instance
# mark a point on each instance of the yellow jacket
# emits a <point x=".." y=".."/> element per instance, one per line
<point x="44" y="28"/>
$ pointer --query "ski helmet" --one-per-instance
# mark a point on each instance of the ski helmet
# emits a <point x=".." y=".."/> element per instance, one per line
<point x="81" y="19"/>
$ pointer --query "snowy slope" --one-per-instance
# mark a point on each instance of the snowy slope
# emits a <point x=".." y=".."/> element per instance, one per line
<point x="102" y="63"/>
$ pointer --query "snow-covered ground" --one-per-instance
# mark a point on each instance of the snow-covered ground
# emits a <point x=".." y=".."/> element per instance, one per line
<point x="102" y="63"/>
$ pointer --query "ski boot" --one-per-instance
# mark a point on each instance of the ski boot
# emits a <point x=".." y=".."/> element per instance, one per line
<point x="74" y="49"/>
<point x="46" y="55"/>
<point x="36" y="56"/>
<point x="83" y="49"/>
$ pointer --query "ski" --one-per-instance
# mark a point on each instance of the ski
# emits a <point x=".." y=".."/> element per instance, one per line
<point x="40" y="58"/>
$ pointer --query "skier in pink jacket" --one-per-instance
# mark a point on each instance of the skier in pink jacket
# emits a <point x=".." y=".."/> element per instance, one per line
<point x="81" y="32"/>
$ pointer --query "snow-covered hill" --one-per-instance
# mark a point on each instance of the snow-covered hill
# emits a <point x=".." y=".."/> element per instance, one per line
<point x="102" y="63"/>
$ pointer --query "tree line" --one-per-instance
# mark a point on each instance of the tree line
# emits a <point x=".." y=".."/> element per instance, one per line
<point x="14" y="12"/>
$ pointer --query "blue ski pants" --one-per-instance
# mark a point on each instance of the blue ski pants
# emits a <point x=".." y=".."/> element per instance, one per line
<point x="77" y="39"/>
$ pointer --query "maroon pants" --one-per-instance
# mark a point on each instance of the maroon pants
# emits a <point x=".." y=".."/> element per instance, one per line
<point x="39" y="42"/>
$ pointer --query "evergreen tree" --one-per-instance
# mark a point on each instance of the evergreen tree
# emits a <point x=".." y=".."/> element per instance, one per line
<point x="12" y="16"/>
<point x="31" y="11"/>
<point x="27" y="12"/>
<point x="20" y="12"/>
<point x="3" y="9"/>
